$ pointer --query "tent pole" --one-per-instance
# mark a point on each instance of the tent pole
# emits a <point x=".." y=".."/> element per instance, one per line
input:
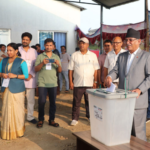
<point x="147" y="25"/>
<point x="101" y="31"/>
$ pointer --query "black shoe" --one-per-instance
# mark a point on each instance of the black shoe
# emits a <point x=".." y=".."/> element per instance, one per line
<point x="147" y="120"/>
<point x="33" y="121"/>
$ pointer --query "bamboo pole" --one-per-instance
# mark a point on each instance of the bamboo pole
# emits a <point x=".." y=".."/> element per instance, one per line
<point x="101" y="31"/>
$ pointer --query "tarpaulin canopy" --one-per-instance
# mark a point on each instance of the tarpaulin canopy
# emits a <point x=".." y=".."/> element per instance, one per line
<point x="113" y="3"/>
<point x="109" y="32"/>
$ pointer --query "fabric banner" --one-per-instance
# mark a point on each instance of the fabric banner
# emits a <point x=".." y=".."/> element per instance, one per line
<point x="109" y="32"/>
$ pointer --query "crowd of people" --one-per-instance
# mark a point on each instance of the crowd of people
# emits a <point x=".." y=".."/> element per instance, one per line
<point x="24" y="68"/>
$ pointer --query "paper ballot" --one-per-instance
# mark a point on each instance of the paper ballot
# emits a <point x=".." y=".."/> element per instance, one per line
<point x="111" y="88"/>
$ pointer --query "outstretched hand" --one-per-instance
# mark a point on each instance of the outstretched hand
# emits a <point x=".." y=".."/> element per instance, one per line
<point x="108" y="81"/>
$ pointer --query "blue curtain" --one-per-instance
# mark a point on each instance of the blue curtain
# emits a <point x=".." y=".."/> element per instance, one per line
<point x="60" y="39"/>
<point x="42" y="36"/>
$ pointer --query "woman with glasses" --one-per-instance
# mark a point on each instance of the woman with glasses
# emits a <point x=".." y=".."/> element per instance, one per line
<point x="13" y="71"/>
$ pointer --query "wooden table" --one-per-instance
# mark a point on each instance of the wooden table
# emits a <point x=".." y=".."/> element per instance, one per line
<point x="86" y="142"/>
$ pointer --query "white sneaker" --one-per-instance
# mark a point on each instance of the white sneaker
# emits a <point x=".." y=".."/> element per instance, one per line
<point x="74" y="122"/>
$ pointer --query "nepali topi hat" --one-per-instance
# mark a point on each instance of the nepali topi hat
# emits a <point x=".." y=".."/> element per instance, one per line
<point x="133" y="33"/>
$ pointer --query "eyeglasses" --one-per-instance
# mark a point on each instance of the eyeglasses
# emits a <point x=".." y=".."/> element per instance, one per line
<point x="116" y="43"/>
<point x="130" y="40"/>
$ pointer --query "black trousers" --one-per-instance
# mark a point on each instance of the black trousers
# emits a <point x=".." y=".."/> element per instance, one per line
<point x="42" y="100"/>
<point x="78" y="92"/>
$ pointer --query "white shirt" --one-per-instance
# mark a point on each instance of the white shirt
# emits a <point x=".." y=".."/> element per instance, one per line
<point x="130" y="59"/>
<point x="84" y="67"/>
<point x="3" y="53"/>
<point x="111" y="59"/>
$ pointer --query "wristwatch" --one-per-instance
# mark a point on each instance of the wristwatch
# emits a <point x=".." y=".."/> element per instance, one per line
<point x="95" y="81"/>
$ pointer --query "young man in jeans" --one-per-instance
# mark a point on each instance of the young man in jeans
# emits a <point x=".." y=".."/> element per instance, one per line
<point x="47" y="64"/>
<point x="65" y="58"/>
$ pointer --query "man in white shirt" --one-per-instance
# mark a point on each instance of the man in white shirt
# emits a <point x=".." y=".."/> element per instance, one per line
<point x="134" y="66"/>
<point x="112" y="57"/>
<point x="83" y="68"/>
<point x="3" y="54"/>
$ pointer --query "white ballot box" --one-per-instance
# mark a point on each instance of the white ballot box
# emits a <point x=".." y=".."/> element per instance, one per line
<point x="111" y="115"/>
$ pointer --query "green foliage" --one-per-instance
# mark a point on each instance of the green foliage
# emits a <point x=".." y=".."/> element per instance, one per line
<point x="94" y="47"/>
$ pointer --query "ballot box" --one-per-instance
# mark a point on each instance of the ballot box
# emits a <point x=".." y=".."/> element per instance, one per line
<point x="111" y="115"/>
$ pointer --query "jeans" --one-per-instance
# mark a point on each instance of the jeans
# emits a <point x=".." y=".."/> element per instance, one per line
<point x="65" y="74"/>
<point x="42" y="100"/>
<point x="148" y="109"/>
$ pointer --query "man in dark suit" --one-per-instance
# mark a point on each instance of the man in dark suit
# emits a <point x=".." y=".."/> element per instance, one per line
<point x="134" y="65"/>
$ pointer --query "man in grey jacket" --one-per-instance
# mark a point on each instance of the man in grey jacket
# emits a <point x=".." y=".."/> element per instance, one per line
<point x="134" y="65"/>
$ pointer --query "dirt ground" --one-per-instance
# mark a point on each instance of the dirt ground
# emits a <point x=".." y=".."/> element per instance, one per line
<point x="48" y="137"/>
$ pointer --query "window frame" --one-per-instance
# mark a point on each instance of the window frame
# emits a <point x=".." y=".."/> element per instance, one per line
<point x="53" y="31"/>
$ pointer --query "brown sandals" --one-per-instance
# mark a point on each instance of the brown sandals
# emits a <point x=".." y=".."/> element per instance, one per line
<point x="52" y="123"/>
<point x="40" y="124"/>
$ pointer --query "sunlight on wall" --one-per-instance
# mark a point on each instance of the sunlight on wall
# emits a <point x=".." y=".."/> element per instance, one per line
<point x="60" y="9"/>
